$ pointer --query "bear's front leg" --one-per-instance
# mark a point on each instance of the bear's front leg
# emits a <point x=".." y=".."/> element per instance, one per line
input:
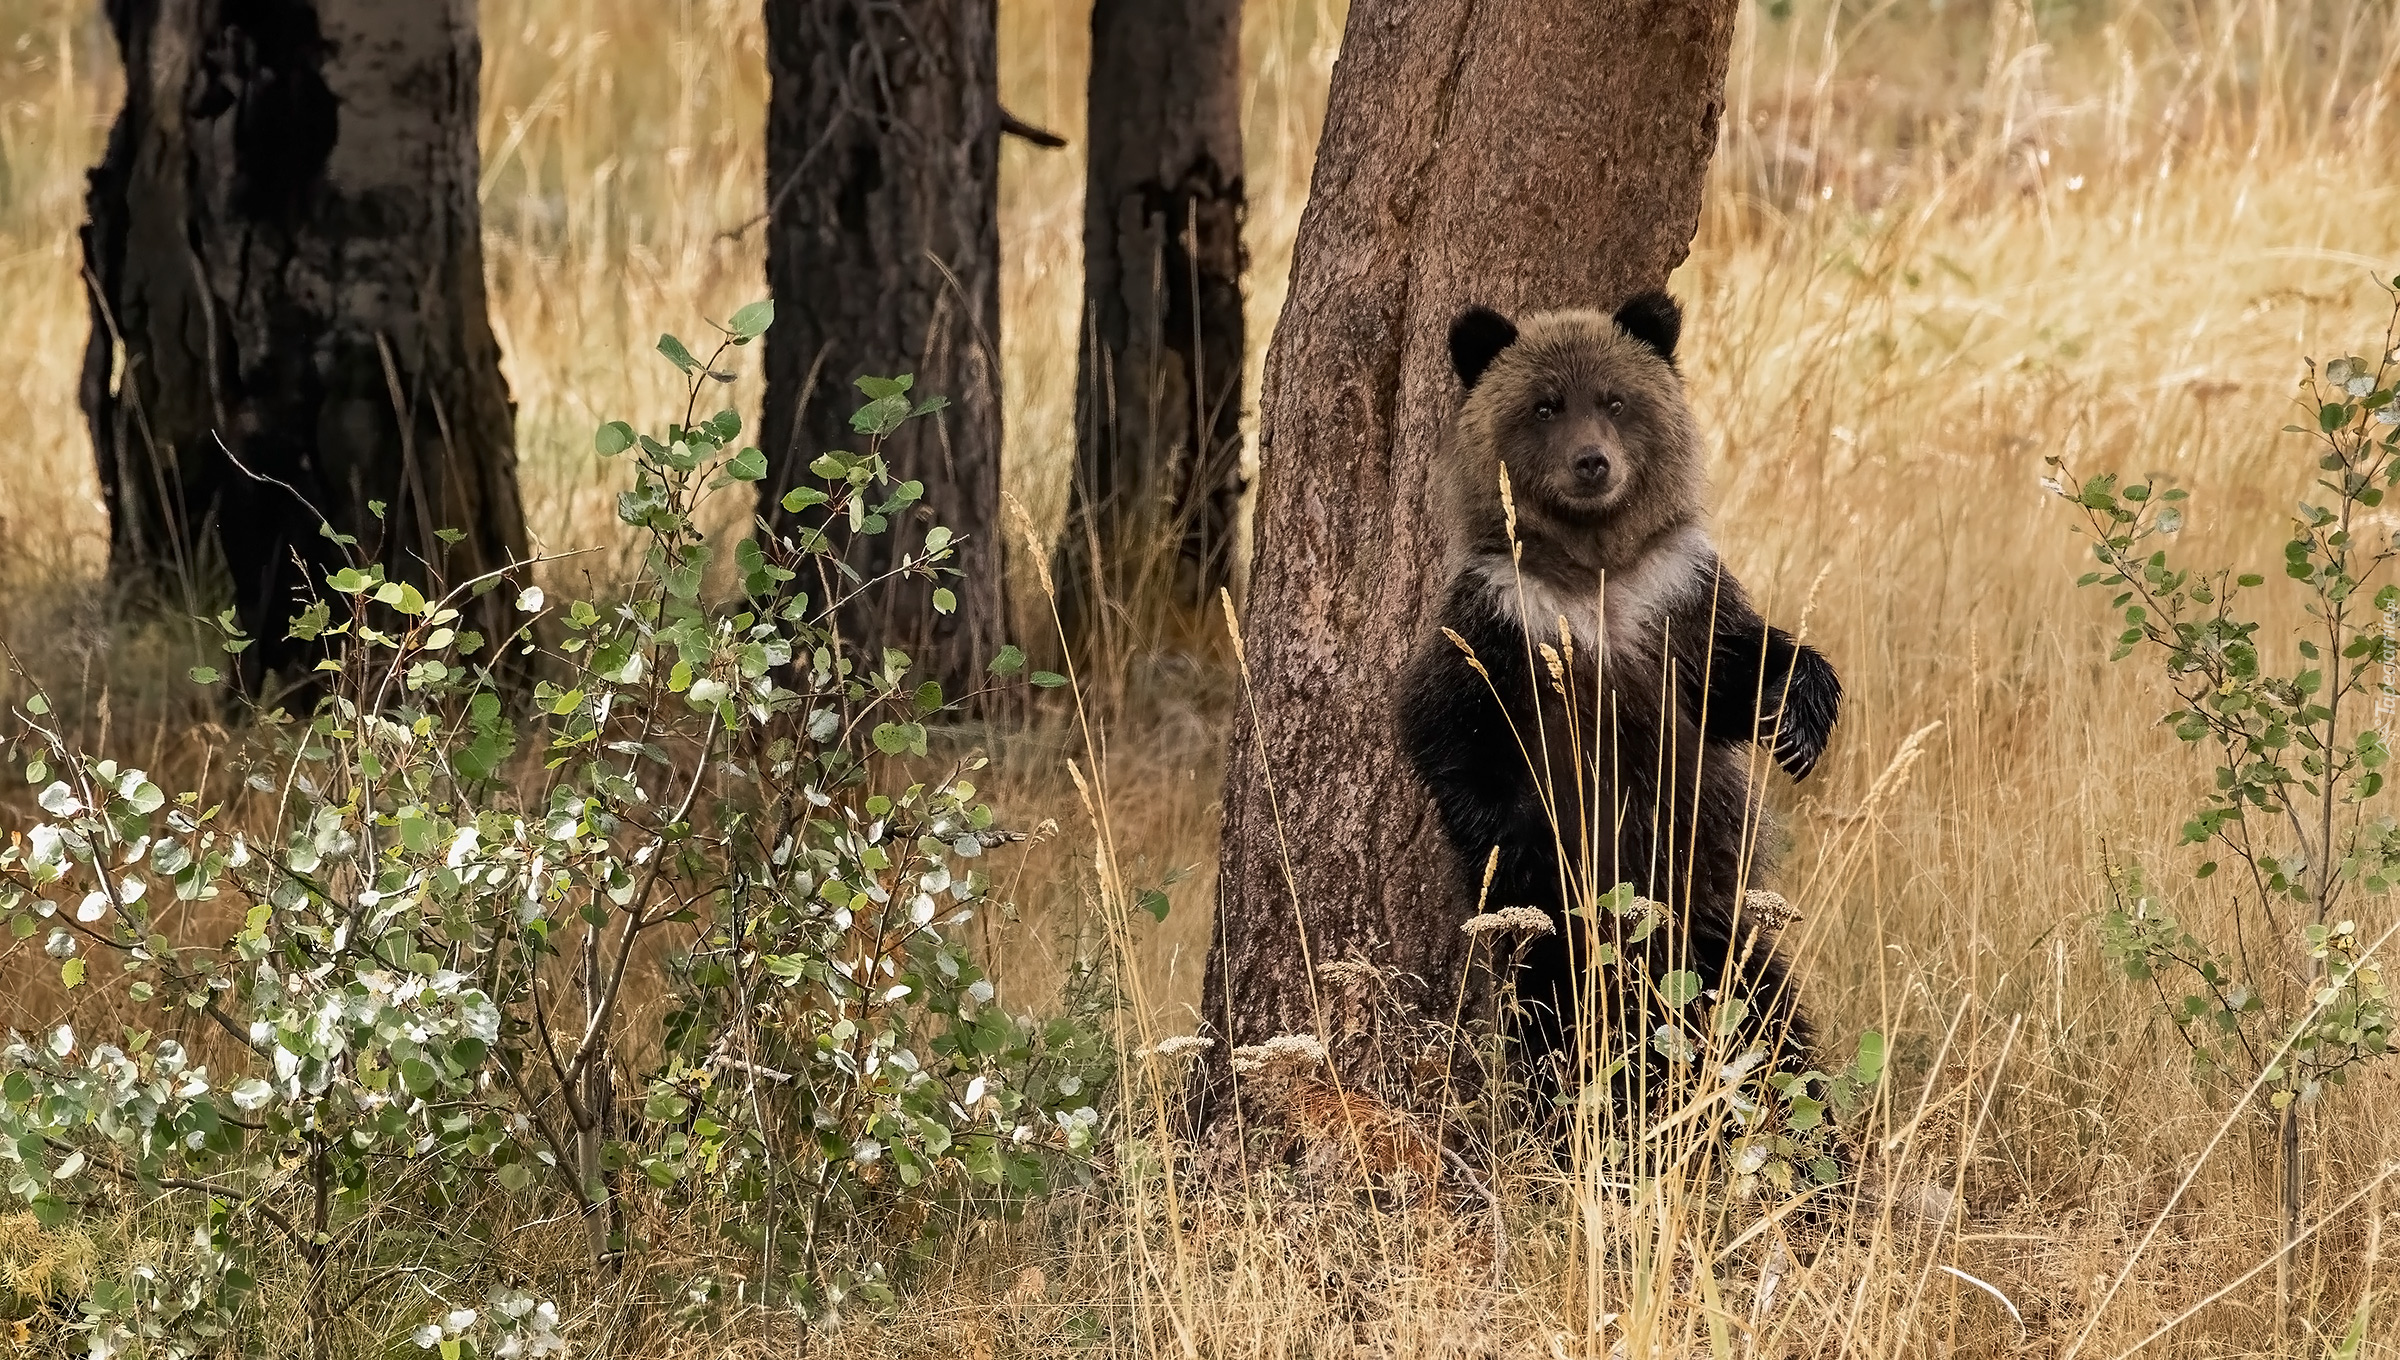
<point x="1765" y="686"/>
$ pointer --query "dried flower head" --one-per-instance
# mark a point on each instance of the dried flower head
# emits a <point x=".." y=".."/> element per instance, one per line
<point x="1768" y="909"/>
<point x="1283" y="1052"/>
<point x="1642" y="909"/>
<point x="1350" y="973"/>
<point x="1182" y="1045"/>
<point x="1510" y="920"/>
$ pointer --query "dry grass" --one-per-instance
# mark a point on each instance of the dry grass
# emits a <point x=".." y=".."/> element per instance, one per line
<point x="1940" y="244"/>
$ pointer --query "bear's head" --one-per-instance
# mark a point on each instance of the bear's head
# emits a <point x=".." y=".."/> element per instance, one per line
<point x="1588" y="413"/>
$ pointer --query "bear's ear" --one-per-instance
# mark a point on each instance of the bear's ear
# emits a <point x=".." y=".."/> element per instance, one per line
<point x="1654" y="319"/>
<point x="1476" y="338"/>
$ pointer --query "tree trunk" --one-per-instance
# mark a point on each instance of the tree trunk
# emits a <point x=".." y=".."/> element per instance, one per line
<point x="1159" y="400"/>
<point x="1539" y="155"/>
<point x="883" y="253"/>
<point x="286" y="269"/>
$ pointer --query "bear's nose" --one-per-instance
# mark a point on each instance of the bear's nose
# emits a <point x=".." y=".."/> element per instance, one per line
<point x="1591" y="465"/>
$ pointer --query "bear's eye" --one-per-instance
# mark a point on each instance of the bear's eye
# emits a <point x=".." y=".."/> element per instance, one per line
<point x="1544" y="409"/>
<point x="1614" y="403"/>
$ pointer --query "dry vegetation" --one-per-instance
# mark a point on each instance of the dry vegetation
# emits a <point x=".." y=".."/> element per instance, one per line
<point x="1942" y="242"/>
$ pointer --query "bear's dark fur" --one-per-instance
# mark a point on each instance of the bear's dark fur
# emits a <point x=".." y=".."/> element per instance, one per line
<point x="1614" y="574"/>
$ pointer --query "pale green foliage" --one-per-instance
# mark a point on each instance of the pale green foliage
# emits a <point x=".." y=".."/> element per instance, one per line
<point x="441" y="895"/>
<point x="2300" y="748"/>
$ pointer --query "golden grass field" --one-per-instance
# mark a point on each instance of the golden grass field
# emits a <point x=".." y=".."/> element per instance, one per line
<point x="1941" y="242"/>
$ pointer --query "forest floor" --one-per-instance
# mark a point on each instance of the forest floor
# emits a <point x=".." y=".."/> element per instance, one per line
<point x="1941" y="244"/>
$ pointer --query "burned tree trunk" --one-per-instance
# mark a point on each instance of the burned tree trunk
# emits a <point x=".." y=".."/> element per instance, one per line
<point x="1540" y="155"/>
<point x="285" y="262"/>
<point x="1158" y="474"/>
<point x="883" y="254"/>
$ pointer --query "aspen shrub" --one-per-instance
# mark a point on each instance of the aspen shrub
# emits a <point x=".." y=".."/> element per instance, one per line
<point x="439" y="890"/>
<point x="2287" y="840"/>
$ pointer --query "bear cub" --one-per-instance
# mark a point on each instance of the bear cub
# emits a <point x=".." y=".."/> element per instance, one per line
<point x="1597" y="735"/>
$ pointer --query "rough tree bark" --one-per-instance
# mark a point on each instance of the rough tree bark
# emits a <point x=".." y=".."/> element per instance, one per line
<point x="285" y="262"/>
<point x="1158" y="402"/>
<point x="1542" y="154"/>
<point x="883" y="254"/>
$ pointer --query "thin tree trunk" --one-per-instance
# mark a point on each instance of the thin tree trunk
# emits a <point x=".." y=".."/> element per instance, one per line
<point x="1543" y="154"/>
<point x="1158" y="404"/>
<point x="285" y="260"/>
<point x="883" y="253"/>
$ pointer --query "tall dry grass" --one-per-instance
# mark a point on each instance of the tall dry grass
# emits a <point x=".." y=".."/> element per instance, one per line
<point x="1941" y="242"/>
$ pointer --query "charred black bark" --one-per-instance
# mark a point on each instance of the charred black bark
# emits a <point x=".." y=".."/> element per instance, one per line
<point x="285" y="263"/>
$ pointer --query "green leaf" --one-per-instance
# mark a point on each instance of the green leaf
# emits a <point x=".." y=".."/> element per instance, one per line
<point x="1009" y="662"/>
<point x="944" y="602"/>
<point x="683" y="577"/>
<point x="1048" y="679"/>
<point x="418" y="1075"/>
<point x="401" y="596"/>
<point x="895" y="739"/>
<point x="1681" y="988"/>
<point x="676" y="353"/>
<point x="38" y="705"/>
<point x="204" y="675"/>
<point x="70" y="974"/>
<point x="881" y="416"/>
<point x="2355" y="1339"/>
<point x="752" y="321"/>
<point x="1155" y="903"/>
<point x="1868" y="1067"/>
<point x="614" y="438"/>
<point x="747" y="466"/>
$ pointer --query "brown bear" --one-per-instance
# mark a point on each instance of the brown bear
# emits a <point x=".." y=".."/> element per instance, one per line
<point x="1587" y="704"/>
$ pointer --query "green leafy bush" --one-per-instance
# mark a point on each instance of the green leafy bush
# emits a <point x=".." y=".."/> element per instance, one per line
<point x="2296" y="726"/>
<point x="443" y="893"/>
